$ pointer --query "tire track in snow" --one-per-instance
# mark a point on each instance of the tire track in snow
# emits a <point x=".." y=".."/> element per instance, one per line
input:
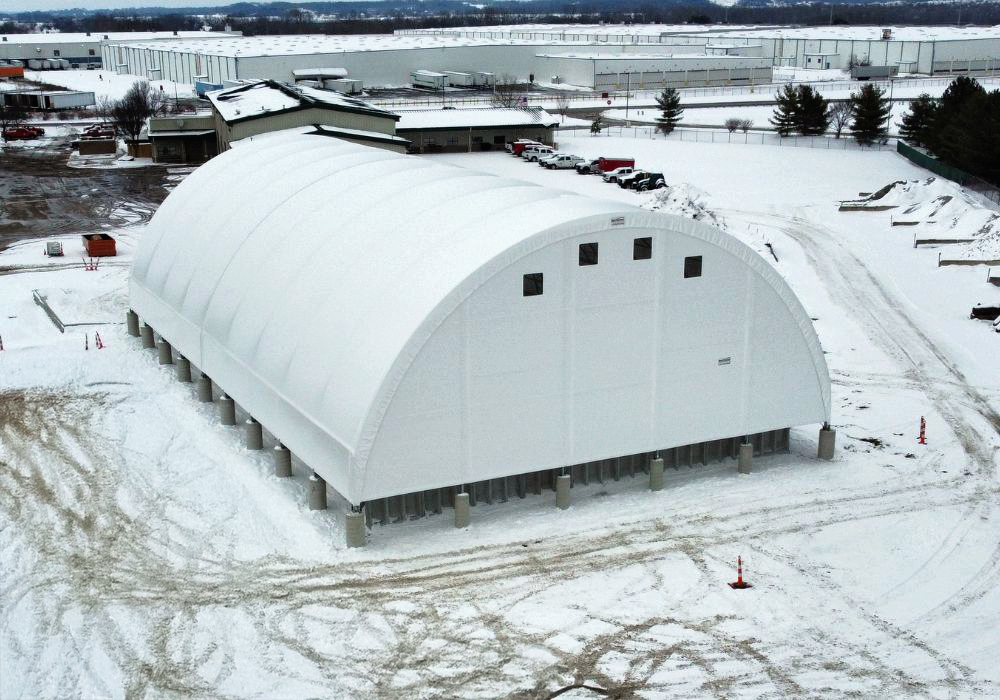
<point x="62" y="486"/>
<point x="854" y="287"/>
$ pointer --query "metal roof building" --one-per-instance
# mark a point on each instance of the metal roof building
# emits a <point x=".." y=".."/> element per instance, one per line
<point x="473" y="129"/>
<point x="260" y="107"/>
<point x="449" y="328"/>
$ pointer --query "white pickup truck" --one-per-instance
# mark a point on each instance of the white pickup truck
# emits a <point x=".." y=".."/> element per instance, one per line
<point x="559" y="161"/>
<point x="613" y="175"/>
<point x="533" y="153"/>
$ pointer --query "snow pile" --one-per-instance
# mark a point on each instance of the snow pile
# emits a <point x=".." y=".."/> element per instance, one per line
<point x="987" y="243"/>
<point x="683" y="200"/>
<point x="906" y="193"/>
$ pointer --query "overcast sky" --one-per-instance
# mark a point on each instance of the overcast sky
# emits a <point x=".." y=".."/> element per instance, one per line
<point x="22" y="5"/>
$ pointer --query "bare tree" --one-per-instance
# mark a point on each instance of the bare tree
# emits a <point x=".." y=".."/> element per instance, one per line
<point x="10" y="117"/>
<point x="129" y="114"/>
<point x="745" y="125"/>
<point x="507" y="91"/>
<point x="840" y="116"/>
<point x="562" y="105"/>
<point x="732" y="124"/>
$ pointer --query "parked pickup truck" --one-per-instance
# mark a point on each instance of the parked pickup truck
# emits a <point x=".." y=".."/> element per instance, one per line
<point x="628" y="181"/>
<point x="560" y="161"/>
<point x="613" y="175"/>
<point x="653" y="181"/>
<point x="533" y="153"/>
<point x="601" y="165"/>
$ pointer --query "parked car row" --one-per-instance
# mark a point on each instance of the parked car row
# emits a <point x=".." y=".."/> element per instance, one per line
<point x="23" y="133"/>
<point x="621" y="171"/>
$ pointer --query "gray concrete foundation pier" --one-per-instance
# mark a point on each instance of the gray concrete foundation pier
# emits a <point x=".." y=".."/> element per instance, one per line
<point x="132" y="322"/>
<point x="227" y="410"/>
<point x="317" y="492"/>
<point x="746" y="458"/>
<point x="146" y="332"/>
<point x="656" y="474"/>
<point x="165" y="352"/>
<point x="563" y="482"/>
<point x="255" y="435"/>
<point x="183" y="369"/>
<point x="827" y="442"/>
<point x="354" y="528"/>
<point x="204" y="388"/>
<point x="282" y="461"/>
<point x="461" y="510"/>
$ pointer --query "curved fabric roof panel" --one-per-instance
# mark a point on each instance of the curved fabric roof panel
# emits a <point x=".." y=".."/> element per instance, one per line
<point x="369" y="309"/>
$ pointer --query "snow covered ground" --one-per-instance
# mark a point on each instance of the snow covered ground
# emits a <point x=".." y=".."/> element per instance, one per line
<point x="147" y="554"/>
<point x="105" y="83"/>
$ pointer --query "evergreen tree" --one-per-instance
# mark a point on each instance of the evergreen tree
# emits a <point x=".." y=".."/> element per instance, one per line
<point x="974" y="136"/>
<point x="670" y="110"/>
<point x="871" y="115"/>
<point x="954" y="103"/>
<point x="786" y="113"/>
<point x="596" y="126"/>
<point x="917" y="126"/>
<point x="813" y="118"/>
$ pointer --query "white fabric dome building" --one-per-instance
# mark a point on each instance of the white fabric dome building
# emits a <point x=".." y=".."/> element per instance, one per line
<point x="404" y="326"/>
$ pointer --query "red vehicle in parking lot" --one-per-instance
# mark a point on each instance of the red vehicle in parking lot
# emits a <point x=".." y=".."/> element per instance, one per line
<point x="25" y="133"/>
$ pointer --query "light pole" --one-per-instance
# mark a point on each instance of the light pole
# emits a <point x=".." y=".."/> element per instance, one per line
<point x="628" y="87"/>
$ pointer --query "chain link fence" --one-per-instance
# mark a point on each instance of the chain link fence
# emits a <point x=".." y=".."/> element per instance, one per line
<point x="753" y="138"/>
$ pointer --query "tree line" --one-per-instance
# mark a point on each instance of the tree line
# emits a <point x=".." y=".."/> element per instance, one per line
<point x="385" y="17"/>
<point x="962" y="128"/>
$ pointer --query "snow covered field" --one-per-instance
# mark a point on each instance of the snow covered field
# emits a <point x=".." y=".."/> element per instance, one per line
<point x="147" y="554"/>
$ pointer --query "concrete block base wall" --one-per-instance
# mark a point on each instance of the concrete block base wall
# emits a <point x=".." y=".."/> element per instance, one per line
<point x="397" y="509"/>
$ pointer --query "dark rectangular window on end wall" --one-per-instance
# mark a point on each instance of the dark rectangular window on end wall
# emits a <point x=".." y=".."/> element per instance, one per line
<point x="533" y="284"/>
<point x="692" y="266"/>
<point x="588" y="254"/>
<point x="642" y="248"/>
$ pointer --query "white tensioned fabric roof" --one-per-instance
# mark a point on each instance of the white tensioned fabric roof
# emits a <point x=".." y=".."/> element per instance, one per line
<point x="304" y="274"/>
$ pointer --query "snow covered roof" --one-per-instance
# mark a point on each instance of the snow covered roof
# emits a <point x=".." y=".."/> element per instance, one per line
<point x="307" y="277"/>
<point x="648" y="32"/>
<point x="97" y="37"/>
<point x="258" y="98"/>
<point x="426" y="119"/>
<point x="307" y="44"/>
<point x="690" y="54"/>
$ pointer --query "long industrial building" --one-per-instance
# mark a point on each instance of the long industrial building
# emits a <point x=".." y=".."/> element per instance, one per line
<point x="390" y="60"/>
<point x="416" y="332"/>
<point x="927" y="50"/>
<point x="84" y="50"/>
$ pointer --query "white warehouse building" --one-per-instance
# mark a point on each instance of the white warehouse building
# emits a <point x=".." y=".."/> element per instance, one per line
<point x="912" y="49"/>
<point x="448" y="330"/>
<point x="376" y="60"/>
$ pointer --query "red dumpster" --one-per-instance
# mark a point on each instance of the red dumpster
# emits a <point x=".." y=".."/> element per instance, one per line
<point x="99" y="245"/>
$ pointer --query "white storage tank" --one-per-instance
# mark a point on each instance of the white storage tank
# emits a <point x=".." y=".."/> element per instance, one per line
<point x="34" y="64"/>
